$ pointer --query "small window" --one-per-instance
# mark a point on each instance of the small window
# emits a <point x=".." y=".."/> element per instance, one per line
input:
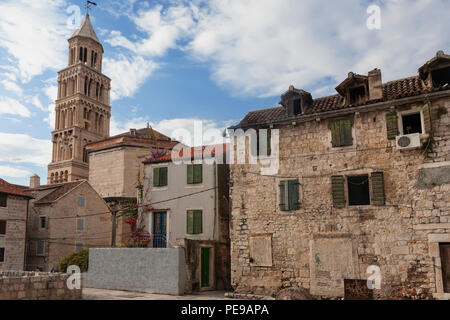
<point x="357" y="95"/>
<point x="81" y="201"/>
<point x="2" y="227"/>
<point x="40" y="250"/>
<point x="412" y="123"/>
<point x="194" y="173"/>
<point x="194" y="222"/>
<point x="160" y="177"/>
<point x="441" y="77"/>
<point x="43" y="222"/>
<point x="341" y="133"/>
<point x="289" y="195"/>
<point x="2" y="254"/>
<point x="80" y="224"/>
<point x="260" y="146"/>
<point x="3" y="199"/>
<point x="78" y="247"/>
<point x="358" y="190"/>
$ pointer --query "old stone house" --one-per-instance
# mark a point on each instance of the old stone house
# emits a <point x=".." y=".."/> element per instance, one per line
<point x="189" y="200"/>
<point x="363" y="186"/>
<point x="64" y="218"/>
<point x="13" y="217"/>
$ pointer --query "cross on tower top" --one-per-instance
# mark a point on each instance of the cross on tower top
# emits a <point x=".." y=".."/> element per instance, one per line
<point x="89" y="5"/>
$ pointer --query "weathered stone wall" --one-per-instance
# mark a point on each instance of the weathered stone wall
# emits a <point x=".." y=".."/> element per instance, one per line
<point x="36" y="286"/>
<point x="317" y="246"/>
<point x="15" y="214"/>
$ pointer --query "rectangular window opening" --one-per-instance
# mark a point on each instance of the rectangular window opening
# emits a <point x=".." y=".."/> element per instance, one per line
<point x="444" y="250"/>
<point x="2" y="254"/>
<point x="3" y="199"/>
<point x="358" y="190"/>
<point x="81" y="201"/>
<point x="40" y="247"/>
<point x="357" y="95"/>
<point x="43" y="222"/>
<point x="412" y="123"/>
<point x="2" y="227"/>
<point x="441" y="77"/>
<point x="78" y="247"/>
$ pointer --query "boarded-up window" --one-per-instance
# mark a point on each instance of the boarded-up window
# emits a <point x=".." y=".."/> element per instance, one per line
<point x="3" y="199"/>
<point x="260" y="247"/>
<point x="289" y="195"/>
<point x="160" y="177"/>
<point x="194" y="223"/>
<point x="2" y="254"/>
<point x="194" y="173"/>
<point x="2" y="227"/>
<point x="81" y="201"/>
<point x="341" y="133"/>
<point x="80" y="224"/>
<point x="391" y="125"/>
<point x="40" y="250"/>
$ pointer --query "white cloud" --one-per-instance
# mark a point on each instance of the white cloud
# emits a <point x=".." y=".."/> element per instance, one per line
<point x="22" y="148"/>
<point x="34" y="33"/>
<point x="13" y="107"/>
<point x="12" y="172"/>
<point x="211" y="130"/>
<point x="127" y="74"/>
<point x="12" y="86"/>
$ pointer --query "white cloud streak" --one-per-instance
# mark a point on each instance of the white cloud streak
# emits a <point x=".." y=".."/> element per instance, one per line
<point x="13" y="107"/>
<point x="22" y="148"/>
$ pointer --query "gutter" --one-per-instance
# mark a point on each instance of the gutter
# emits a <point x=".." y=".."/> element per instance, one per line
<point x="369" y="107"/>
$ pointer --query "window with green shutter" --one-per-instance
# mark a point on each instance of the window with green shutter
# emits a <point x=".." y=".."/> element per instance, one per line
<point x="160" y="177"/>
<point x="289" y="195"/>
<point x="391" y="125"/>
<point x="378" y="195"/>
<point x="194" y="222"/>
<point x="338" y="191"/>
<point x="341" y="133"/>
<point x="194" y="173"/>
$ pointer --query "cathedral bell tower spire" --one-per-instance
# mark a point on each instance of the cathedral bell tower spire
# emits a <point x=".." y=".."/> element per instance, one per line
<point x="83" y="109"/>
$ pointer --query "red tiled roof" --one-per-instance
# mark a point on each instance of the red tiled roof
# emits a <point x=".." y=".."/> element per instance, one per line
<point x="60" y="190"/>
<point x="195" y="153"/>
<point x="6" y="187"/>
<point x="143" y="138"/>
<point x="407" y="87"/>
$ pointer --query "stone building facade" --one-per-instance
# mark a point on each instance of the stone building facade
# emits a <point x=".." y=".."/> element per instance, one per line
<point x="64" y="218"/>
<point x="190" y="209"/>
<point x="82" y="107"/>
<point x="362" y="190"/>
<point x="13" y="216"/>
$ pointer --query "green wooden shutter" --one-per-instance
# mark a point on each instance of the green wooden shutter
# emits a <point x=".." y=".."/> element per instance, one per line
<point x="346" y="132"/>
<point x="156" y="177"/>
<point x="426" y="118"/>
<point x="391" y="125"/>
<point x="338" y="191"/>
<point x="190" y="222"/>
<point x="198" y="222"/>
<point x="163" y="177"/>
<point x="293" y="195"/>
<point x="378" y="195"/>
<point x="335" y="134"/>
<point x="190" y="174"/>
<point x="284" y="196"/>
<point x="198" y="173"/>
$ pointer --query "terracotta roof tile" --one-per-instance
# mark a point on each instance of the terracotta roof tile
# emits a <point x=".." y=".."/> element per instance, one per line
<point x="6" y="187"/>
<point x="60" y="190"/>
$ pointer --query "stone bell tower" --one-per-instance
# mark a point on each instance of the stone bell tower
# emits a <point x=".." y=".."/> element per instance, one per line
<point x="83" y="108"/>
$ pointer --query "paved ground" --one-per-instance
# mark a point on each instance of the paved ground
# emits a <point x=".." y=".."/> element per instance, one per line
<point x="102" y="294"/>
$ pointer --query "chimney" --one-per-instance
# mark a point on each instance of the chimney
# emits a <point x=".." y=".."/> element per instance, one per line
<point x="375" y="85"/>
<point x="35" y="181"/>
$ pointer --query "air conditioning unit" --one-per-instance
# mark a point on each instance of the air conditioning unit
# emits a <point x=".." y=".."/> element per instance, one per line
<point x="408" y="141"/>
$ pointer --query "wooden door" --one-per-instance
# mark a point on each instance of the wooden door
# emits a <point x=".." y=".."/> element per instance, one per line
<point x="444" y="249"/>
<point x="205" y="254"/>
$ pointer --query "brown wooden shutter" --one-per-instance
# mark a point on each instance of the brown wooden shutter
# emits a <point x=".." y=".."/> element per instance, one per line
<point x="391" y="125"/>
<point x="284" y="196"/>
<point x="190" y="222"/>
<point x="335" y="134"/>
<point x="338" y="191"/>
<point x="426" y="118"/>
<point x="156" y="177"/>
<point x="378" y="195"/>
<point x="293" y="195"/>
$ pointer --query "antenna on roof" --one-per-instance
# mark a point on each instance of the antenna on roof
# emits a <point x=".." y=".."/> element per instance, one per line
<point x="88" y="6"/>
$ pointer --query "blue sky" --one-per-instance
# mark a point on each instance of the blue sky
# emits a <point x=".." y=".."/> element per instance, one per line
<point x="175" y="61"/>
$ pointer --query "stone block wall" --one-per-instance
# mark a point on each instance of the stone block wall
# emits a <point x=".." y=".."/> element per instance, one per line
<point x="16" y="285"/>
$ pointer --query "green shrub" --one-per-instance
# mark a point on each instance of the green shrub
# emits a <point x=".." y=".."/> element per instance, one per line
<point x="80" y="259"/>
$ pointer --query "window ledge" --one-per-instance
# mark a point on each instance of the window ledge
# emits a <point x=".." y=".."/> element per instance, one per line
<point x="160" y="188"/>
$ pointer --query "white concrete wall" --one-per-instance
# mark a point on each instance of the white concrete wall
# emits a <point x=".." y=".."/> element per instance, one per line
<point x="177" y="209"/>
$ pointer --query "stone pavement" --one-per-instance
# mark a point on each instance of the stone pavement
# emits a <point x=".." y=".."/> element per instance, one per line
<point x="104" y="294"/>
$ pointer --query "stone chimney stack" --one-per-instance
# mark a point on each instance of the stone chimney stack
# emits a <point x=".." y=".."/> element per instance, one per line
<point x="375" y="85"/>
<point x="35" y="181"/>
